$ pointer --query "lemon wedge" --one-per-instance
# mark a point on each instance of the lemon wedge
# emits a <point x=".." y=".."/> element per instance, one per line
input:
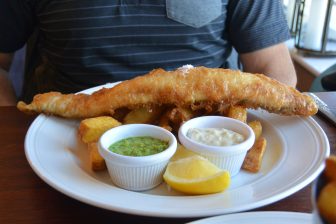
<point x="196" y="175"/>
<point x="182" y="152"/>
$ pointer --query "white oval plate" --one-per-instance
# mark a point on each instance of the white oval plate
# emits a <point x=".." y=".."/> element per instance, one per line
<point x="259" y="218"/>
<point x="296" y="149"/>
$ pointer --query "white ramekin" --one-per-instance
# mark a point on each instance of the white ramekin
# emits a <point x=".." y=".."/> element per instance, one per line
<point x="131" y="172"/>
<point x="228" y="158"/>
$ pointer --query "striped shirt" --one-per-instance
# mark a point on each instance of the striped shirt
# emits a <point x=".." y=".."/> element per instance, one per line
<point x="84" y="43"/>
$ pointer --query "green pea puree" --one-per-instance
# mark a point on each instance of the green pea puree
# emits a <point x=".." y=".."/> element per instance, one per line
<point x="139" y="146"/>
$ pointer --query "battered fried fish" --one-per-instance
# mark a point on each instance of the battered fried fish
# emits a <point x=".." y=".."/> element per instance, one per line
<point x="184" y="87"/>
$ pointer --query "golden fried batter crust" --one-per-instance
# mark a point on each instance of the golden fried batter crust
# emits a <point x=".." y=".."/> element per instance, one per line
<point x="183" y="87"/>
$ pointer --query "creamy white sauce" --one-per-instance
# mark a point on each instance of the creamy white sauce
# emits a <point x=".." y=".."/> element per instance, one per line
<point x="215" y="136"/>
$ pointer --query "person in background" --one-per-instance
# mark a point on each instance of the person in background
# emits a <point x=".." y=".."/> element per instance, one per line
<point x="76" y="44"/>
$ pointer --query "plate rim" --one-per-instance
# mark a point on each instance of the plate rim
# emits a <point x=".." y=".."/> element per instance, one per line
<point x="164" y="213"/>
<point x="306" y="217"/>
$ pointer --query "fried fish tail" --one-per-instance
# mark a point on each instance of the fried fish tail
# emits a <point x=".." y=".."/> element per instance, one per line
<point x="65" y="105"/>
<point x="181" y="88"/>
<point x="200" y="85"/>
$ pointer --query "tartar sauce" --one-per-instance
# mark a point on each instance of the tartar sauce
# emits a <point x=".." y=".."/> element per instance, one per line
<point x="215" y="136"/>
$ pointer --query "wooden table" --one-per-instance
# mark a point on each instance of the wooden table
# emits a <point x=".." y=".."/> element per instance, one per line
<point x="25" y="198"/>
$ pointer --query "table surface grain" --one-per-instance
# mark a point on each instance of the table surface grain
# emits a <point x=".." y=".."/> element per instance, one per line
<point x="25" y="198"/>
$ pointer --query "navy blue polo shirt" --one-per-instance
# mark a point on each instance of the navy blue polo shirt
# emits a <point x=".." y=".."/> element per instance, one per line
<point x="84" y="43"/>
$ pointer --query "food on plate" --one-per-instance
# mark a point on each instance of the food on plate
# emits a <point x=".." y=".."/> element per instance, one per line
<point x="254" y="156"/>
<point x="182" y="152"/>
<point x="215" y="136"/>
<point x="137" y="173"/>
<point x="97" y="162"/>
<point x="238" y="112"/>
<point x="227" y="157"/>
<point x="168" y="99"/>
<point x="143" y="115"/>
<point x="196" y="175"/>
<point x="326" y="191"/>
<point x="139" y="146"/>
<point x="173" y="117"/>
<point x="327" y="202"/>
<point x="165" y="120"/>
<point x="186" y="87"/>
<point x="330" y="169"/>
<point x="91" y="129"/>
<point x="256" y="127"/>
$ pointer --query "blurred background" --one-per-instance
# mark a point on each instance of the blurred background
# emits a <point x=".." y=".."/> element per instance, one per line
<point x="313" y="45"/>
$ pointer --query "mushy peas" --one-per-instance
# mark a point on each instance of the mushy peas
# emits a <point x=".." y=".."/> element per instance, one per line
<point x="139" y="146"/>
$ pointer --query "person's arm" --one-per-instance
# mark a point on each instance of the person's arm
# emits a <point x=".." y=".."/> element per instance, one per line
<point x="274" y="61"/>
<point x="7" y="93"/>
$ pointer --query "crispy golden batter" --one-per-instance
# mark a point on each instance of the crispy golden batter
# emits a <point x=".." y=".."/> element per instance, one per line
<point x="184" y="87"/>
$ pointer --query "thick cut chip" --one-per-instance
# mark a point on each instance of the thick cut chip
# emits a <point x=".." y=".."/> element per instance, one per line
<point x="256" y="127"/>
<point x="91" y="129"/>
<point x="143" y="115"/>
<point x="254" y="156"/>
<point x="237" y="112"/>
<point x="97" y="162"/>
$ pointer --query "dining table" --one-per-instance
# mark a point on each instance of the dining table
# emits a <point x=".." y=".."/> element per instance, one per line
<point x="26" y="198"/>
